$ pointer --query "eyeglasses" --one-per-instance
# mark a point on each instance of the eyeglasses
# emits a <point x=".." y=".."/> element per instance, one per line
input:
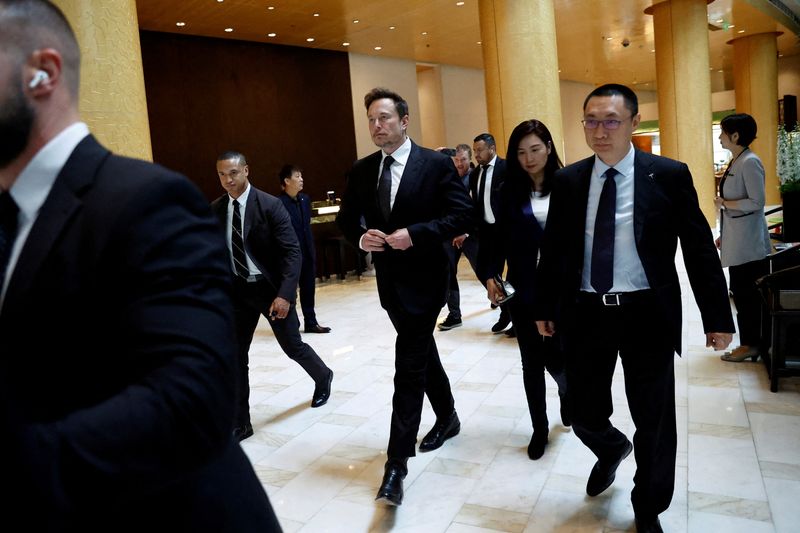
<point x="610" y="124"/>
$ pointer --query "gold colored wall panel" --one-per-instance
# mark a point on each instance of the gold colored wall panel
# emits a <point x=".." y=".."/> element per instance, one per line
<point x="112" y="95"/>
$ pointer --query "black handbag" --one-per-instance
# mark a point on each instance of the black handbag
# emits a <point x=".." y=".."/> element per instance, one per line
<point x="506" y="289"/>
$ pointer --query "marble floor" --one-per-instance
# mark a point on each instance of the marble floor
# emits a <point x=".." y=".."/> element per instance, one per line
<point x="738" y="443"/>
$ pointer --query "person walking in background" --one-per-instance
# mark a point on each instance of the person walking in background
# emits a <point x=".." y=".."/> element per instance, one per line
<point x="531" y="163"/>
<point x="265" y="260"/>
<point x="610" y="286"/>
<point x="744" y="238"/>
<point x="401" y="203"/>
<point x="485" y="183"/>
<point x="298" y="205"/>
<point x="117" y="415"/>
<point x="465" y="243"/>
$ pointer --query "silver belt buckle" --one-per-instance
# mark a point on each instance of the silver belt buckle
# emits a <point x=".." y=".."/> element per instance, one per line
<point x="610" y="299"/>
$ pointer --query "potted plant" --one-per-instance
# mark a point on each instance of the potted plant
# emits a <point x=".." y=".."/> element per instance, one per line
<point x="789" y="174"/>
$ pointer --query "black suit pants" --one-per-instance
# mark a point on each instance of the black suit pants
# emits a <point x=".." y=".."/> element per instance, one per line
<point x="418" y="371"/>
<point x="748" y="300"/>
<point x="470" y="250"/>
<point x="641" y="335"/>
<point x="308" y="285"/>
<point x="250" y="301"/>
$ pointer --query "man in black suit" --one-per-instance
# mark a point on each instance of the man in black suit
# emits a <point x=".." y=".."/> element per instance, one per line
<point x="116" y="375"/>
<point x="485" y="183"/>
<point x="611" y="287"/>
<point x="411" y="200"/>
<point x="265" y="261"/>
<point x="465" y="243"/>
<point x="298" y="205"/>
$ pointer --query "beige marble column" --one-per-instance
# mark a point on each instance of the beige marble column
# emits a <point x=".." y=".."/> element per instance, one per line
<point x="755" y="80"/>
<point x="684" y="92"/>
<point x="520" y="62"/>
<point x="112" y="95"/>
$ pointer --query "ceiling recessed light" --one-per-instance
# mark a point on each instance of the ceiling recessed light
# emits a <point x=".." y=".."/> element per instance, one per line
<point x="424" y="33"/>
<point x="378" y="48"/>
<point x="180" y="24"/>
<point x="316" y="14"/>
<point x="720" y="21"/>
<point x="609" y="38"/>
<point x="720" y="70"/>
<point x="459" y="3"/>
<point x="228" y="30"/>
<point x="780" y="55"/>
<point x="731" y="26"/>
<point x="310" y="40"/>
<point x="345" y="44"/>
<point x="220" y="1"/>
<point x="392" y="27"/>
<point x="559" y="71"/>
<point x="271" y="8"/>
<point x="652" y="50"/>
<point x="355" y="21"/>
<point x="479" y="42"/>
<point x="740" y="31"/>
<point x="273" y="34"/>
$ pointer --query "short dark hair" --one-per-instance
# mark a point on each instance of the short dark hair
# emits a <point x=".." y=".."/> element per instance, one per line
<point x="517" y="177"/>
<point x="30" y="25"/>
<point x="378" y="93"/>
<point x="488" y="138"/>
<point x="232" y="154"/>
<point x="615" y="89"/>
<point x="740" y="123"/>
<point x="447" y="151"/>
<point x="464" y="148"/>
<point x="286" y="172"/>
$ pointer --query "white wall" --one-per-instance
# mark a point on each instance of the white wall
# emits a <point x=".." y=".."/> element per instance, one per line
<point x="573" y="94"/>
<point x="399" y="75"/>
<point x="464" y="98"/>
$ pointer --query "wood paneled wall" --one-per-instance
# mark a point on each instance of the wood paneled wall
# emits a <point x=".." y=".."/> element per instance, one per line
<point x="275" y="104"/>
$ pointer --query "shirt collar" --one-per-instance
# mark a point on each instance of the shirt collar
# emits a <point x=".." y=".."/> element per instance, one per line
<point x="492" y="162"/>
<point x="33" y="184"/>
<point x="624" y="166"/>
<point x="401" y="154"/>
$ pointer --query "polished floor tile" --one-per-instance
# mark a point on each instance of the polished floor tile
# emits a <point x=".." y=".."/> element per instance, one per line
<point x="738" y="455"/>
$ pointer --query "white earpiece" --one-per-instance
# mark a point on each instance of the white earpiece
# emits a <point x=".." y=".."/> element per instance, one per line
<point x="38" y="78"/>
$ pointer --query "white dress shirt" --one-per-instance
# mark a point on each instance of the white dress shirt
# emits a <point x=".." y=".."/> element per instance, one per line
<point x="400" y="157"/>
<point x="488" y="214"/>
<point x="628" y="270"/>
<point x="242" y="208"/>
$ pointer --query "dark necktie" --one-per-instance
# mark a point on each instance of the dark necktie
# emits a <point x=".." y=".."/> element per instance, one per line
<point x="237" y="243"/>
<point x="482" y="192"/>
<point x="603" y="243"/>
<point x="8" y="230"/>
<point x="385" y="188"/>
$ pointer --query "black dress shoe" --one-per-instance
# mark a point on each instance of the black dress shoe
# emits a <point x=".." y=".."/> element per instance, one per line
<point x="391" y="490"/>
<point x="502" y="322"/>
<point x="602" y="476"/>
<point x="242" y="432"/>
<point x="511" y="333"/>
<point x="316" y="328"/>
<point x="322" y="392"/>
<point x="648" y="525"/>
<point x="440" y="432"/>
<point x="537" y="444"/>
<point x="566" y="418"/>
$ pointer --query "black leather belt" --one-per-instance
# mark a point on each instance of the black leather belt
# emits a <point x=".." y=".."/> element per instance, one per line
<point x="614" y="299"/>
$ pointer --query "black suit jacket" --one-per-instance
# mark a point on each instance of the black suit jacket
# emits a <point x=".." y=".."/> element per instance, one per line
<point x="432" y="203"/>
<point x="116" y="383"/>
<point x="498" y="177"/>
<point x="301" y="222"/>
<point x="487" y="233"/>
<point x="269" y="239"/>
<point x="665" y="210"/>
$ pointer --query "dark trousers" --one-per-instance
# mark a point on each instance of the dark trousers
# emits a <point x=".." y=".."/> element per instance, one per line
<point x="470" y="250"/>
<point x="747" y="299"/>
<point x="308" y="284"/>
<point x="538" y="353"/>
<point x="418" y="371"/>
<point x="250" y="301"/>
<point x="639" y="333"/>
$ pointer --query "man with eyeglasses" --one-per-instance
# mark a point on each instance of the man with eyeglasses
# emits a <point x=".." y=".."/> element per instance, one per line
<point x="611" y="287"/>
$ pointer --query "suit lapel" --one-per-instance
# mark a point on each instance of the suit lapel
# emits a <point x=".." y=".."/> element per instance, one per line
<point x="643" y="179"/>
<point x="252" y="213"/>
<point x="59" y="208"/>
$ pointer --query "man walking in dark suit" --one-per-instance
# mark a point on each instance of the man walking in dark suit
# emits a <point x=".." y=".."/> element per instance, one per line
<point x="411" y="200"/>
<point x="265" y="259"/>
<point x="485" y="183"/>
<point x="116" y="375"/>
<point x="610" y="287"/>
<point x="298" y="205"/>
